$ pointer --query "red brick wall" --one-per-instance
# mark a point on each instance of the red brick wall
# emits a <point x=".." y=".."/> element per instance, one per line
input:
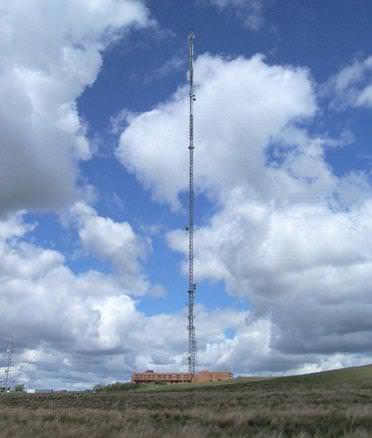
<point x="201" y="377"/>
<point x="214" y="376"/>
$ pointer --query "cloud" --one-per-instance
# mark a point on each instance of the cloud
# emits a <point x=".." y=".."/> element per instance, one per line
<point x="78" y="329"/>
<point x="250" y="11"/>
<point x="287" y="234"/>
<point x="266" y="100"/>
<point x="115" y="242"/>
<point x="75" y="330"/>
<point x="172" y="65"/>
<point x="61" y="320"/>
<point x="305" y="267"/>
<point x="50" y="52"/>
<point x="352" y="85"/>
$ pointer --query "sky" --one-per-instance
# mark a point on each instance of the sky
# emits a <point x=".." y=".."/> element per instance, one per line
<point x="93" y="177"/>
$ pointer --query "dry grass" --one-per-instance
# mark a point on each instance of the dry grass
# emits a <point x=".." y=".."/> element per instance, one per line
<point x="326" y="405"/>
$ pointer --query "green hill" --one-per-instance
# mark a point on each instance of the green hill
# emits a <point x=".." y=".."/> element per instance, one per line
<point x="334" y="404"/>
<point x="344" y="376"/>
<point x="352" y="374"/>
<point x="359" y="376"/>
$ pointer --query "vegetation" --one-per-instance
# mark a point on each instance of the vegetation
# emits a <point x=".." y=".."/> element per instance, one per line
<point x="333" y="404"/>
<point x="115" y="387"/>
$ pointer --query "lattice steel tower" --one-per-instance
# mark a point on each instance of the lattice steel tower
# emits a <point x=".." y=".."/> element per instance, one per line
<point x="190" y="228"/>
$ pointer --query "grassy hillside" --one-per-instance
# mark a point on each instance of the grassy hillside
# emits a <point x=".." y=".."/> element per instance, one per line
<point x="331" y="404"/>
<point x="346" y="375"/>
<point x="360" y="376"/>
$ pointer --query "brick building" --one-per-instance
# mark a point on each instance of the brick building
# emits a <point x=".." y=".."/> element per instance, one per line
<point x="202" y="377"/>
<point x="212" y="376"/>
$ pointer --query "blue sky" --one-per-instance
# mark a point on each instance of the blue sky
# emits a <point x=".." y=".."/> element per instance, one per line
<point x="296" y="33"/>
<point x="92" y="210"/>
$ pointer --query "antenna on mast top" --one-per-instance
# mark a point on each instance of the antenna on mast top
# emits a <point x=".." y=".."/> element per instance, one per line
<point x="190" y="228"/>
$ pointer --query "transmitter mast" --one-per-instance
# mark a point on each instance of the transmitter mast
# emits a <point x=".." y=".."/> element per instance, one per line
<point x="190" y="228"/>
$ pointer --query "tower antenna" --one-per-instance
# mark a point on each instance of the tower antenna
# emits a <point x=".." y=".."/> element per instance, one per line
<point x="9" y="353"/>
<point x="190" y="228"/>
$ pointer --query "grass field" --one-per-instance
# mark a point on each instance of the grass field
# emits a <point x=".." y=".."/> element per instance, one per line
<point x="330" y="404"/>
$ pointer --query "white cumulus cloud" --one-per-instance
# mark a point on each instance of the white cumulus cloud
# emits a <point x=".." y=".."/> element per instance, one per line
<point x="287" y="233"/>
<point x="78" y="329"/>
<point x="243" y="105"/>
<point x="50" y="52"/>
<point x="115" y="242"/>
